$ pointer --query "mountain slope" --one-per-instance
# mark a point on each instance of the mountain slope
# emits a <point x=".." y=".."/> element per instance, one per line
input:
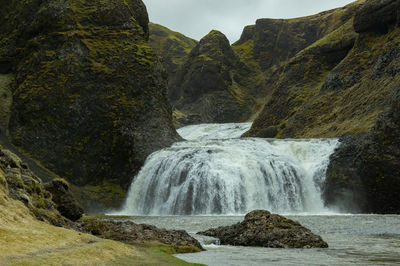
<point x="173" y="47"/>
<point x="337" y="85"/>
<point x="212" y="85"/>
<point x="89" y="94"/>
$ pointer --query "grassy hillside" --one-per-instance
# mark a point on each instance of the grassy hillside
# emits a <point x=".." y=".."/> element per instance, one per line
<point x="173" y="47"/>
<point x="336" y="85"/>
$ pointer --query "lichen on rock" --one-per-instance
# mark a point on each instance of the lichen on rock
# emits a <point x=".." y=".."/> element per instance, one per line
<point x="90" y="95"/>
<point x="261" y="228"/>
<point x="212" y="86"/>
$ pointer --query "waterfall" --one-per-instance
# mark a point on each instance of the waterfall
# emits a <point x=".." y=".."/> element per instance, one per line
<point x="215" y="172"/>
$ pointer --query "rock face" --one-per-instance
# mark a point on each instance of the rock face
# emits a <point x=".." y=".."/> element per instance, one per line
<point x="364" y="173"/>
<point x="62" y="197"/>
<point x="19" y="183"/>
<point x="272" y="41"/>
<point x="376" y="16"/>
<point x="89" y="94"/>
<point x="261" y="228"/>
<point x="173" y="47"/>
<point x="340" y="83"/>
<point x="211" y="85"/>
<point x="131" y="233"/>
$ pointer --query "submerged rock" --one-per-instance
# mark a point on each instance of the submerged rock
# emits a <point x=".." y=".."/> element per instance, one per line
<point x="261" y="228"/>
<point x="131" y="233"/>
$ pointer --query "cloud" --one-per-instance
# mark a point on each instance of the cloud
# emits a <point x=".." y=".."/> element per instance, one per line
<point x="195" y="18"/>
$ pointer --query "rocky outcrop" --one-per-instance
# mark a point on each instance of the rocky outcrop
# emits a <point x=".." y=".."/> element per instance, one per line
<point x="337" y="85"/>
<point x="261" y="228"/>
<point x="273" y="41"/>
<point x="18" y="183"/>
<point x="363" y="175"/>
<point x="211" y="85"/>
<point x="344" y="189"/>
<point x="377" y="16"/>
<point x="131" y="233"/>
<point x="89" y="94"/>
<point x="173" y="47"/>
<point x="62" y="197"/>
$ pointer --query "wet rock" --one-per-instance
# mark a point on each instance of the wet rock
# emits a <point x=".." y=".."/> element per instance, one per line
<point x="62" y="196"/>
<point x="131" y="233"/>
<point x="364" y="170"/>
<point x="261" y="228"/>
<point x="344" y="189"/>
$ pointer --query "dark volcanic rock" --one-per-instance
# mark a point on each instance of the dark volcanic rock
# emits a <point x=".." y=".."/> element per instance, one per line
<point x="19" y="183"/>
<point x="339" y="84"/>
<point x="173" y="48"/>
<point x="131" y="233"/>
<point x="89" y="95"/>
<point x="261" y="228"/>
<point x="273" y="41"/>
<point x="377" y="15"/>
<point x="344" y="189"/>
<point x="66" y="203"/>
<point x="365" y="171"/>
<point x="211" y="84"/>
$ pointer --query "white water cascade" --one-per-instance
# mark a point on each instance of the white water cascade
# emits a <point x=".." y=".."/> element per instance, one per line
<point x="214" y="172"/>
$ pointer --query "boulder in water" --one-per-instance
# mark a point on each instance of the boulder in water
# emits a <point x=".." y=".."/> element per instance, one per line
<point x="261" y="228"/>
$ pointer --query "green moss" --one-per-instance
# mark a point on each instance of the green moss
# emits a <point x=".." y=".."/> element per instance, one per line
<point x="159" y="250"/>
<point x="103" y="195"/>
<point x="245" y="53"/>
<point x="173" y="46"/>
<point x="346" y="31"/>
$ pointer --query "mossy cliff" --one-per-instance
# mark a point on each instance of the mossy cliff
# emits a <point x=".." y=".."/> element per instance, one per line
<point x="337" y="85"/>
<point x="212" y="85"/>
<point x="172" y="47"/>
<point x="364" y="170"/>
<point x="89" y="94"/>
<point x="272" y="41"/>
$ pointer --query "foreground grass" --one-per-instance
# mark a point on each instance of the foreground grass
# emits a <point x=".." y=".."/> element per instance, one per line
<point x="26" y="241"/>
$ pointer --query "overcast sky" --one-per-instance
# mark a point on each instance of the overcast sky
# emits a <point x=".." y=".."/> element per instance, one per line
<point x="195" y="18"/>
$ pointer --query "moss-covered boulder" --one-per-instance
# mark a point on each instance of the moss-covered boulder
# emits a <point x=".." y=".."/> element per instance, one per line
<point x="260" y="228"/>
<point x="18" y="183"/>
<point x="211" y="86"/>
<point x="90" y="98"/>
<point x="63" y="198"/>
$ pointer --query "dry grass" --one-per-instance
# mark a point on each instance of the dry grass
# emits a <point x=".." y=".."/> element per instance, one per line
<point x="26" y="241"/>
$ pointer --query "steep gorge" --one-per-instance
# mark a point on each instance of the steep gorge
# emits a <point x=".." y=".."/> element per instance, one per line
<point x="327" y="75"/>
<point x="89" y="94"/>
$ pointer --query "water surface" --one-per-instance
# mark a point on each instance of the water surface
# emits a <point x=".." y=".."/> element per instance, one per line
<point x="352" y="239"/>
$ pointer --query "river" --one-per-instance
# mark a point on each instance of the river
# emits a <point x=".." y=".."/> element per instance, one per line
<point x="214" y="178"/>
